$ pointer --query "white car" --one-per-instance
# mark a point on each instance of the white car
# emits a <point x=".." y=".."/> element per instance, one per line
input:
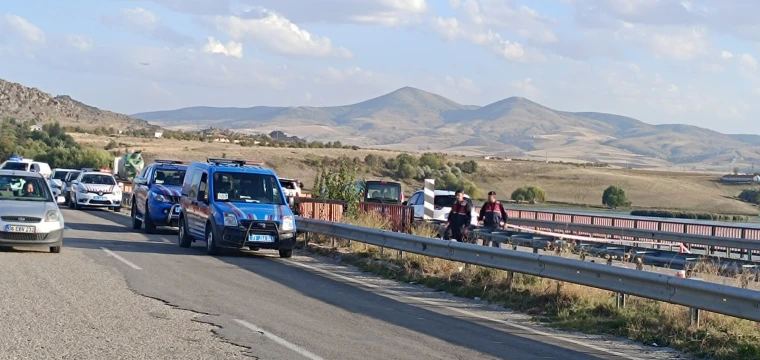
<point x="57" y="179"/>
<point x="29" y="216"/>
<point x="442" y="203"/>
<point x="19" y="164"/>
<point x="95" y="189"/>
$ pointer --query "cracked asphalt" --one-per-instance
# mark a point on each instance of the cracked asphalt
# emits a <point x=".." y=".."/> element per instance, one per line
<point x="147" y="298"/>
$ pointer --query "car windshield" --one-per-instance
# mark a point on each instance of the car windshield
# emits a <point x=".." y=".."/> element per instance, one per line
<point x="21" y="166"/>
<point x="383" y="191"/>
<point x="247" y="187"/>
<point x="60" y="175"/>
<point x="24" y="188"/>
<point x="288" y="184"/>
<point x="73" y="175"/>
<point x="172" y="177"/>
<point x="98" y="179"/>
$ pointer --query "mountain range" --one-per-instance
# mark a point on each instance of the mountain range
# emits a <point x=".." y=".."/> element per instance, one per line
<point x="416" y="120"/>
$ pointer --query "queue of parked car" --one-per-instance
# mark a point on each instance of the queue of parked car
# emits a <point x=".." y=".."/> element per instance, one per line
<point x="225" y="203"/>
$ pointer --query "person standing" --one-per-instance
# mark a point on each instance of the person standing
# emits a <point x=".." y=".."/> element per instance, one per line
<point x="492" y="216"/>
<point x="459" y="217"/>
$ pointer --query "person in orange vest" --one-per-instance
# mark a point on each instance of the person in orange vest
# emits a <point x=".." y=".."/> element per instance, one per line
<point x="492" y="216"/>
<point x="459" y="217"/>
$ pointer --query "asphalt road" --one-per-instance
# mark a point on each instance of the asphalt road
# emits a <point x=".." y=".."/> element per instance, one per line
<point x="100" y="297"/>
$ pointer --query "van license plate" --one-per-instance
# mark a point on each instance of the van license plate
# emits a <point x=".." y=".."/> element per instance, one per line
<point x="261" y="238"/>
<point x="20" y="229"/>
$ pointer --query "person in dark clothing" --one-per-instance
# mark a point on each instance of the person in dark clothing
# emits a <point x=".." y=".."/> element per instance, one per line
<point x="492" y="215"/>
<point x="459" y="217"/>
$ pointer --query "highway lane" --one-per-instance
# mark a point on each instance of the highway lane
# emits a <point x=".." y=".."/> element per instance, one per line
<point x="302" y="307"/>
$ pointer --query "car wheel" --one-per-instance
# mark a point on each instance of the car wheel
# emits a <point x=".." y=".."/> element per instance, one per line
<point x="136" y="223"/>
<point x="211" y="247"/>
<point x="76" y="204"/>
<point x="117" y="209"/>
<point x="253" y="248"/>
<point x="55" y="249"/>
<point x="150" y="228"/>
<point x="286" y="253"/>
<point x="184" y="238"/>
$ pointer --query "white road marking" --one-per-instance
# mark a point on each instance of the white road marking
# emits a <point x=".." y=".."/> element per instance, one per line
<point x="117" y="257"/>
<point x="279" y="340"/>
<point x="388" y="292"/>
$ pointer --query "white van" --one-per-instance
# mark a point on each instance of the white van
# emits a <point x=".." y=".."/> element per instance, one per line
<point x="27" y="165"/>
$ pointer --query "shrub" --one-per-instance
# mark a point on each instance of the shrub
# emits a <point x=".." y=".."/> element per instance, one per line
<point x="614" y="197"/>
<point x="338" y="182"/>
<point x="529" y="194"/>
<point x="51" y="144"/>
<point x="750" y="195"/>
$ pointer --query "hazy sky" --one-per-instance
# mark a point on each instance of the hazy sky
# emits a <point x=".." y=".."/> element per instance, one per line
<point x="662" y="61"/>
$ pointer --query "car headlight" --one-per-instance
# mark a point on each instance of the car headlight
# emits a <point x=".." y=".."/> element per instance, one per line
<point x="51" y="216"/>
<point x="288" y="224"/>
<point x="81" y="189"/>
<point x="230" y="219"/>
<point x="158" y="197"/>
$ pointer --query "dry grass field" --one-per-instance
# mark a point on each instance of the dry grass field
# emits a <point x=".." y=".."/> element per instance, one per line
<point x="563" y="183"/>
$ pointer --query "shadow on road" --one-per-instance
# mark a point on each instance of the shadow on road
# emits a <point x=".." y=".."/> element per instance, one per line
<point x="456" y="329"/>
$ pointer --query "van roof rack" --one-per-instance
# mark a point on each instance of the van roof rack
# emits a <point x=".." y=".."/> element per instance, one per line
<point x="238" y="162"/>
<point x="169" y="161"/>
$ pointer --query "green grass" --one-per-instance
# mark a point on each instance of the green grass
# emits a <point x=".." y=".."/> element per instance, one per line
<point x="689" y="215"/>
<point x="557" y="304"/>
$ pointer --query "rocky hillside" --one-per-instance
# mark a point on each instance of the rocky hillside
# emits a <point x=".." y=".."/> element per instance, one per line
<point x="25" y="103"/>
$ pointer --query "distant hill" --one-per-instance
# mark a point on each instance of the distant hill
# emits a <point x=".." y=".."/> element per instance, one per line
<point x="25" y="103"/>
<point x="413" y="119"/>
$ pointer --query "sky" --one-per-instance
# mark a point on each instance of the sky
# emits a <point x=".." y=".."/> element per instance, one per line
<point x="661" y="61"/>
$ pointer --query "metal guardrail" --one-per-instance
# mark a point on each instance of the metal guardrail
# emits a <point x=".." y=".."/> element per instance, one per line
<point x="727" y="300"/>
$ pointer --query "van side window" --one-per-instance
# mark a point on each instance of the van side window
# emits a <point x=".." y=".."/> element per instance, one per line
<point x="204" y="187"/>
<point x="193" y="192"/>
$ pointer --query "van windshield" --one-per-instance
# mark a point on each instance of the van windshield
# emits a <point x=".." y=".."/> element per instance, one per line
<point x="247" y="188"/>
<point x="170" y="177"/>
<point x="18" y="166"/>
<point x="60" y="175"/>
<point x="385" y="192"/>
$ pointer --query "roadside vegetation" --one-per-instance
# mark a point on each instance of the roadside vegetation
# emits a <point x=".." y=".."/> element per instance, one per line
<point x="557" y="304"/>
<point x="50" y="144"/>
<point x="689" y="215"/>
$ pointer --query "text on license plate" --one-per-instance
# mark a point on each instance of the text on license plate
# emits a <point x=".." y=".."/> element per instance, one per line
<point x="100" y="198"/>
<point x="261" y="238"/>
<point x="20" y="229"/>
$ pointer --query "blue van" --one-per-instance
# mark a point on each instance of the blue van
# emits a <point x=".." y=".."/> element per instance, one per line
<point x="156" y="193"/>
<point x="235" y="204"/>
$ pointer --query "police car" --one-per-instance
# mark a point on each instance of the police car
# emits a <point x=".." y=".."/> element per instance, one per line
<point x="94" y="188"/>
<point x="156" y="193"/>
<point x="235" y="204"/>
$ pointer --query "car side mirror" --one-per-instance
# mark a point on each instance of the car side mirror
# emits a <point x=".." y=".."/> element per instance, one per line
<point x="60" y="199"/>
<point x="404" y="203"/>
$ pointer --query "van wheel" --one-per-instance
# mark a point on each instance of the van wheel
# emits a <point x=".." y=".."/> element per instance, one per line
<point x="184" y="238"/>
<point x="211" y="248"/>
<point x="150" y="228"/>
<point x="286" y="253"/>
<point x="136" y="223"/>
<point x="55" y="249"/>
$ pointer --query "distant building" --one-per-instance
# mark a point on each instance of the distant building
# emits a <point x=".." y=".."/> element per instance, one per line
<point x="35" y="128"/>
<point x="740" y="179"/>
<point x="158" y="135"/>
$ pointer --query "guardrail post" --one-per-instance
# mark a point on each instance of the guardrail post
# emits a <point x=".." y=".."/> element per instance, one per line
<point x="712" y="247"/>
<point x="619" y="297"/>
<point x="694" y="312"/>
